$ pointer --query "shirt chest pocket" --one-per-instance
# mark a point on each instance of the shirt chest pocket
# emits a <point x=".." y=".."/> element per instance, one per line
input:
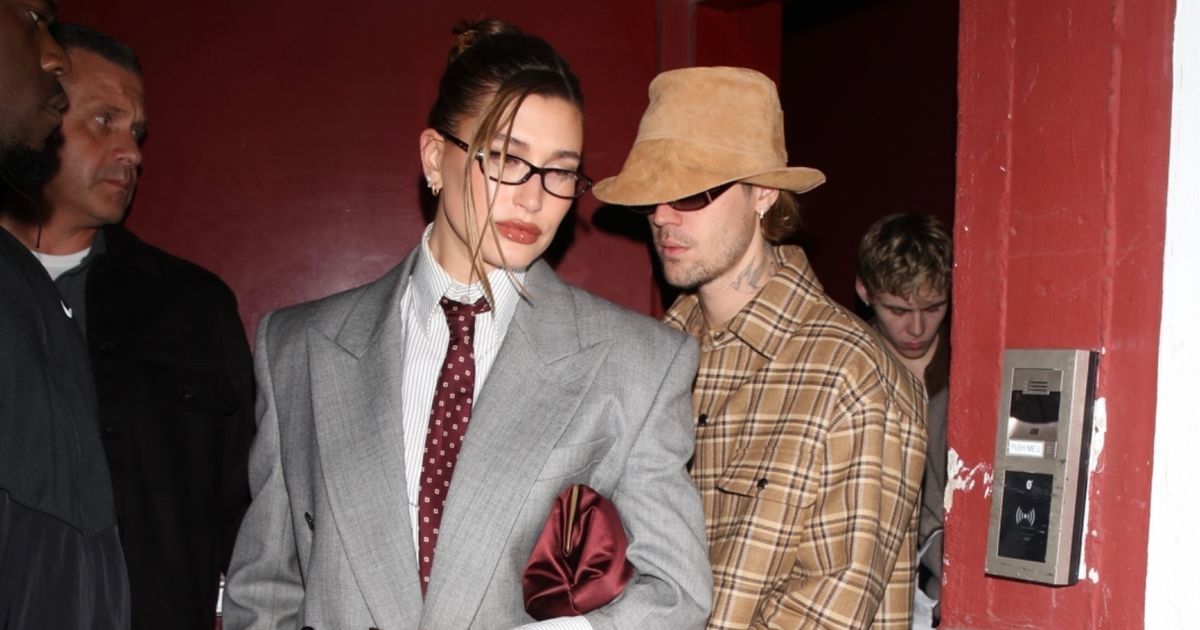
<point x="192" y="389"/>
<point x="180" y="432"/>
<point x="762" y="495"/>
<point x="778" y="474"/>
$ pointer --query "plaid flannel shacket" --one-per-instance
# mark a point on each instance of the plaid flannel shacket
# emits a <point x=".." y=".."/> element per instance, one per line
<point x="810" y="446"/>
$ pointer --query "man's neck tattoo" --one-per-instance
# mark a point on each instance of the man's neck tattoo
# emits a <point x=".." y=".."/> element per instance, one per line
<point x="754" y="276"/>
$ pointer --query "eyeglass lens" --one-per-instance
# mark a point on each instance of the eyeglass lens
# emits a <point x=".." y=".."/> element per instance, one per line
<point x="692" y="202"/>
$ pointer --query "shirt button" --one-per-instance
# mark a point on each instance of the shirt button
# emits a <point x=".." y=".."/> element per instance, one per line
<point x="188" y="397"/>
<point x="106" y="346"/>
<point x="719" y="335"/>
<point x="702" y="420"/>
<point x="762" y="483"/>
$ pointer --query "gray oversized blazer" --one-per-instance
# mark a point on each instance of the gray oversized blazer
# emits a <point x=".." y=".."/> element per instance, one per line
<point x="582" y="391"/>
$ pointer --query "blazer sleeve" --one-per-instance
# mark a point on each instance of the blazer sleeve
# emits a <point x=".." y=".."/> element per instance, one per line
<point x="264" y="588"/>
<point x="662" y="513"/>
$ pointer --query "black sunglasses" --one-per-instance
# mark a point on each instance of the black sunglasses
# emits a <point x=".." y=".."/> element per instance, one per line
<point x="691" y="202"/>
<point x="514" y="171"/>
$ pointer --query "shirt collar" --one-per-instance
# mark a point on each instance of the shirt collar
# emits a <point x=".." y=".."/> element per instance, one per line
<point x="766" y="322"/>
<point x="430" y="283"/>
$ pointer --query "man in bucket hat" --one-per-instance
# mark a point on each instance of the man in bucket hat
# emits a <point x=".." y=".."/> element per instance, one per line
<point x="809" y="435"/>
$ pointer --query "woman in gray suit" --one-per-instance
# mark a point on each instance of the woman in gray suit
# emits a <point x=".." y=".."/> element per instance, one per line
<point x="374" y="506"/>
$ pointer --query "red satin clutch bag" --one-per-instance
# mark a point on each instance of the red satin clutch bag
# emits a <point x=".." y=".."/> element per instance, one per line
<point x="578" y="563"/>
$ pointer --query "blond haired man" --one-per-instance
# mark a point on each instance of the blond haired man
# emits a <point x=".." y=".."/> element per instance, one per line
<point x="904" y="273"/>
<point x="809" y="436"/>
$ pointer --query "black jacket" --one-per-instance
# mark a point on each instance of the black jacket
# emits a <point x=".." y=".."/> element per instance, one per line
<point x="60" y="560"/>
<point x="175" y="385"/>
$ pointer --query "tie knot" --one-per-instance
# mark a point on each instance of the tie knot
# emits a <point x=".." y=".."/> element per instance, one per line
<point x="461" y="317"/>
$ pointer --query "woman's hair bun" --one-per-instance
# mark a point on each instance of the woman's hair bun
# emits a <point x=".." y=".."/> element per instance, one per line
<point x="468" y="33"/>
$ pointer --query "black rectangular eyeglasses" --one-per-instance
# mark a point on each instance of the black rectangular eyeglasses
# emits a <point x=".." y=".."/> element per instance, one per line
<point x="514" y="171"/>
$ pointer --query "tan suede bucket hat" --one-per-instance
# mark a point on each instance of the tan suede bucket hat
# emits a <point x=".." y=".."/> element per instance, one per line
<point x="705" y="127"/>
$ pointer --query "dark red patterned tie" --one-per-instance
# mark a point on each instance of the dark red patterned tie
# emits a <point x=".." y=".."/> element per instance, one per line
<point x="447" y="426"/>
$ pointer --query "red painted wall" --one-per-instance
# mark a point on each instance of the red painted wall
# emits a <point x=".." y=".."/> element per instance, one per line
<point x="1062" y="170"/>
<point x="283" y="135"/>
<point x="728" y="34"/>
<point x="742" y="33"/>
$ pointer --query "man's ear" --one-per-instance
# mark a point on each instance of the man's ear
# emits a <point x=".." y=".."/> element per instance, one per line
<point x="861" y="289"/>
<point x="432" y="145"/>
<point x="764" y="198"/>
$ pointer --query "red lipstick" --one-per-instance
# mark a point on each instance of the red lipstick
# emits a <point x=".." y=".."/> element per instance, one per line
<point x="519" y="231"/>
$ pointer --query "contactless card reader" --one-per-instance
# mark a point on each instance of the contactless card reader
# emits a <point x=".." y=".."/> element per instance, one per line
<point x="1040" y="484"/>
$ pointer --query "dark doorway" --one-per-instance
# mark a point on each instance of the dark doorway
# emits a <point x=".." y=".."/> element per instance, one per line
<point x="869" y="91"/>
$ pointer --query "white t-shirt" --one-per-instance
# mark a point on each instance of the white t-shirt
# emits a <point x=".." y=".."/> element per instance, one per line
<point x="58" y="265"/>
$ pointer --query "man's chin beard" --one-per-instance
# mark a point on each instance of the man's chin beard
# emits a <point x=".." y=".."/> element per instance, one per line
<point x="24" y="171"/>
<point x="689" y="280"/>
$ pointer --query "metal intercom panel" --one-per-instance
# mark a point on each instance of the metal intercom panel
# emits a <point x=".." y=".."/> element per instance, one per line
<point x="1039" y="488"/>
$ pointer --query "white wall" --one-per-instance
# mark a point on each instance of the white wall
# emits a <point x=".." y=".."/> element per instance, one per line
<point x="1173" y="571"/>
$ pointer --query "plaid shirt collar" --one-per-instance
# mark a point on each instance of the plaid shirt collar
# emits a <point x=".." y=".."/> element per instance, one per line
<point x="768" y="320"/>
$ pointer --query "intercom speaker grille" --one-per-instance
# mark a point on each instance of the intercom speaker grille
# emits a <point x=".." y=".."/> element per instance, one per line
<point x="1037" y="387"/>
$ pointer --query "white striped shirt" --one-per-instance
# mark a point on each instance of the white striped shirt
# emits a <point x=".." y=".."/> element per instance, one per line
<point x="426" y="337"/>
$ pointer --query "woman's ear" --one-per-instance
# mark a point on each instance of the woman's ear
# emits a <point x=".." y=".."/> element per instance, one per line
<point x="432" y="145"/>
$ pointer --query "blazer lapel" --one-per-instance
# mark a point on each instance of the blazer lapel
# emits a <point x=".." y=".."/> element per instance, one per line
<point x="530" y="397"/>
<point x="360" y="438"/>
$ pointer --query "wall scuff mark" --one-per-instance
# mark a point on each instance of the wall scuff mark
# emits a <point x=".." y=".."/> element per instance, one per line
<point x="959" y="478"/>
<point x="1099" y="429"/>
